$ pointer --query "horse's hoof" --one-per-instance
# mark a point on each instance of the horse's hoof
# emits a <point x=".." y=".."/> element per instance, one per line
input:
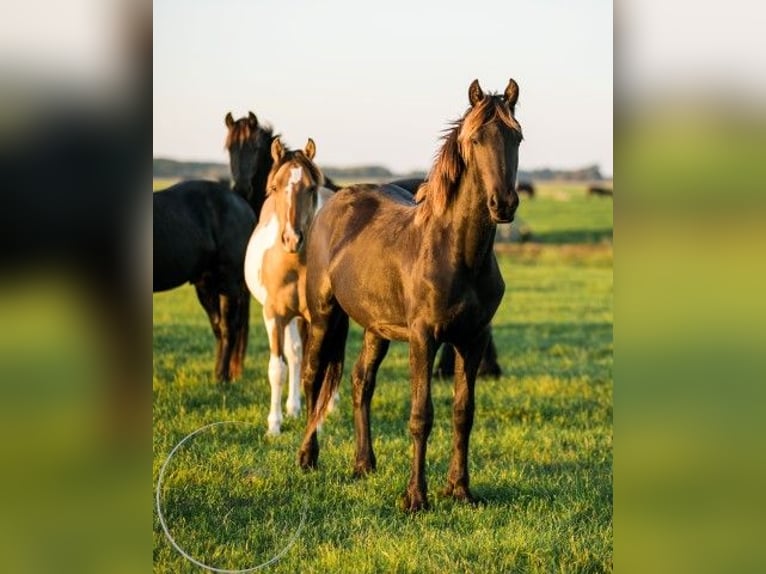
<point x="307" y="460"/>
<point x="293" y="412"/>
<point x="416" y="503"/>
<point x="462" y="494"/>
<point x="273" y="431"/>
<point x="362" y="470"/>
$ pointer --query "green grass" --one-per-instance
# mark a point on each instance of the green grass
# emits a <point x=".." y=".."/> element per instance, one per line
<point x="540" y="455"/>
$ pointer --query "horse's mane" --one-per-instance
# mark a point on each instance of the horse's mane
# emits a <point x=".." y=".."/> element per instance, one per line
<point x="298" y="156"/>
<point x="437" y="192"/>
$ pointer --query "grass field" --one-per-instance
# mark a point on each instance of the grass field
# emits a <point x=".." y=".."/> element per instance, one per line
<point x="541" y="448"/>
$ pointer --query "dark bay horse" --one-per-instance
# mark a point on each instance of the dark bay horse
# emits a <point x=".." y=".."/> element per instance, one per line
<point x="445" y="366"/>
<point x="420" y="272"/>
<point x="275" y="267"/>
<point x="201" y="231"/>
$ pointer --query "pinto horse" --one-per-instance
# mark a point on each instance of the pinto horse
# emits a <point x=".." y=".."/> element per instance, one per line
<point x="420" y="271"/>
<point x="201" y="230"/>
<point x="275" y="266"/>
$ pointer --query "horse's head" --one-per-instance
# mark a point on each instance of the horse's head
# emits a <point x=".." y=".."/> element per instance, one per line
<point x="294" y="180"/>
<point x="247" y="150"/>
<point x="489" y="141"/>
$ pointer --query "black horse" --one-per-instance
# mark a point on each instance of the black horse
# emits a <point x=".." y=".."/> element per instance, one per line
<point x="201" y="230"/>
<point x="433" y="278"/>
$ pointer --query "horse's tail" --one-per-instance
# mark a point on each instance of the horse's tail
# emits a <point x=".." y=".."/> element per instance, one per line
<point x="331" y="358"/>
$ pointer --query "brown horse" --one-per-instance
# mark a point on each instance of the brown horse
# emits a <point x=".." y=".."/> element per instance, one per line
<point x="423" y="272"/>
<point x="275" y="266"/>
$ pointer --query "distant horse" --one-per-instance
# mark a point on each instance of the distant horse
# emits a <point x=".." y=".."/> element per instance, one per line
<point x="201" y="231"/>
<point x="421" y="272"/>
<point x="526" y="187"/>
<point x="275" y="266"/>
<point x="595" y="190"/>
<point x="445" y="366"/>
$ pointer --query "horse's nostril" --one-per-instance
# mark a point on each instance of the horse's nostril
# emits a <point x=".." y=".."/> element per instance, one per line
<point x="493" y="202"/>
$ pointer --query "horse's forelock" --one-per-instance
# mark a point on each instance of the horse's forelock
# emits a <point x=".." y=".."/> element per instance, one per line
<point x="492" y="107"/>
<point x="302" y="159"/>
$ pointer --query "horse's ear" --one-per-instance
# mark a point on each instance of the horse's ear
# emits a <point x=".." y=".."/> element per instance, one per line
<point x="229" y="119"/>
<point x="277" y="150"/>
<point x="475" y="94"/>
<point x="512" y="93"/>
<point x="311" y="149"/>
<point x="252" y="120"/>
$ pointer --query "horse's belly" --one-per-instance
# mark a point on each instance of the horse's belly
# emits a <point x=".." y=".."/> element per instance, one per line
<point x="390" y="331"/>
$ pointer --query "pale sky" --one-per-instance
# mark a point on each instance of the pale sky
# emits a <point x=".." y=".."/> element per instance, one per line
<point x="377" y="83"/>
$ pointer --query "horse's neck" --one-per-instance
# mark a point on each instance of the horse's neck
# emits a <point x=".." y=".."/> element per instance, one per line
<point x="258" y="184"/>
<point x="469" y="225"/>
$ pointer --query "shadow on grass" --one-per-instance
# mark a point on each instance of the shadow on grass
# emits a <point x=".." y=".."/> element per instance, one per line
<point x="564" y="236"/>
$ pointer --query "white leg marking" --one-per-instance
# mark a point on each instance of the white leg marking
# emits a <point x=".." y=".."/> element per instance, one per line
<point x="276" y="374"/>
<point x="293" y="350"/>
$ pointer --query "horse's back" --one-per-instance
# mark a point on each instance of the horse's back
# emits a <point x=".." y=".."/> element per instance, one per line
<point x="199" y="226"/>
<point x="363" y="240"/>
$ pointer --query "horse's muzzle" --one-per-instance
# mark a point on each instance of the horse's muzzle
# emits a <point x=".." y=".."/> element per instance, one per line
<point x="503" y="211"/>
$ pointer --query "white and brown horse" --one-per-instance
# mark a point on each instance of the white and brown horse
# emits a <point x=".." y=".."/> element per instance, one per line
<point x="275" y="266"/>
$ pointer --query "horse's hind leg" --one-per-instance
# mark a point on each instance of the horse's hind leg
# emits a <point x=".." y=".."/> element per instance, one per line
<point x="293" y="350"/>
<point x="489" y="367"/>
<point x="208" y="297"/>
<point x="467" y="359"/>
<point x="240" y="335"/>
<point x="445" y="368"/>
<point x="230" y="312"/>
<point x="322" y="371"/>
<point x="374" y="349"/>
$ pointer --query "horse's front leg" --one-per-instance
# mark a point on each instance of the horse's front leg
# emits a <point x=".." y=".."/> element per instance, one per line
<point x="275" y="331"/>
<point x="467" y="359"/>
<point x="293" y="348"/>
<point x="422" y="352"/>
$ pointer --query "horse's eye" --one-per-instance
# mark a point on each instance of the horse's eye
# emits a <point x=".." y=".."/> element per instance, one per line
<point x="474" y="140"/>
